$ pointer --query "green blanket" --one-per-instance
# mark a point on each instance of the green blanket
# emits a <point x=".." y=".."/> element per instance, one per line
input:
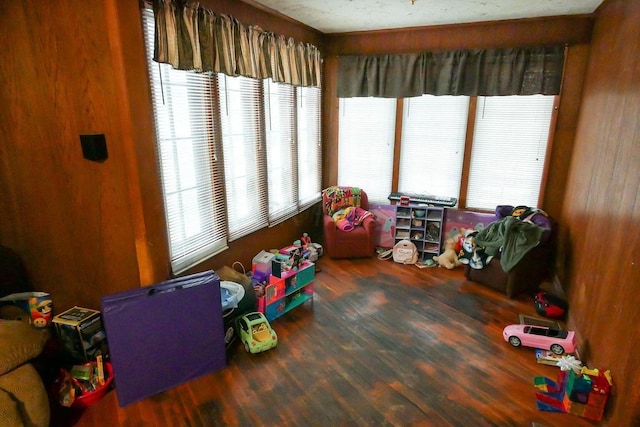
<point x="511" y="236"/>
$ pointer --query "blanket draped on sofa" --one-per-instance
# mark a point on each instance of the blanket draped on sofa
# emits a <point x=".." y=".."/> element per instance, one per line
<point x="511" y="236"/>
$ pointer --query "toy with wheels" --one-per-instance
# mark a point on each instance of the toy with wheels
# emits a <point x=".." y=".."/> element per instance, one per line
<point x="557" y="340"/>
<point x="255" y="333"/>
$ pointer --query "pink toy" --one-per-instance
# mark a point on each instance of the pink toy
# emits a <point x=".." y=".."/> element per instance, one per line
<point x="557" y="340"/>
<point x="306" y="240"/>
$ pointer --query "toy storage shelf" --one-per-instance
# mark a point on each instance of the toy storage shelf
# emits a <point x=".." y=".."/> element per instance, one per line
<point x="422" y="224"/>
<point x="285" y="293"/>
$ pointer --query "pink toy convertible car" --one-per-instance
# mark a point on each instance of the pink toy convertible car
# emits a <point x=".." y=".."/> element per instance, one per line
<point x="556" y="340"/>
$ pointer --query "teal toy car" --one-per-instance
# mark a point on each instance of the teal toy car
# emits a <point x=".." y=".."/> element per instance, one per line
<point x="255" y="333"/>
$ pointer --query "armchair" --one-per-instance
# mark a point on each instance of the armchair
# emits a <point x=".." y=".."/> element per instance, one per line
<point x="529" y="272"/>
<point x="359" y="240"/>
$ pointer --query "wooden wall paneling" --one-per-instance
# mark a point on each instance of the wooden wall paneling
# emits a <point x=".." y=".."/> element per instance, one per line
<point x="330" y="121"/>
<point x="136" y="119"/>
<point x="562" y="148"/>
<point x="547" y="157"/>
<point x="11" y="116"/>
<point x="565" y="127"/>
<point x="72" y="214"/>
<point x="601" y="207"/>
<point x="482" y="35"/>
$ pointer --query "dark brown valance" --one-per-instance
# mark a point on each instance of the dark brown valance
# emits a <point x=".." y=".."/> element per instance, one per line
<point x="190" y="37"/>
<point x="476" y="72"/>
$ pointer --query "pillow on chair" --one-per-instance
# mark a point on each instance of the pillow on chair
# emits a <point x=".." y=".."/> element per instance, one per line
<point x="336" y="198"/>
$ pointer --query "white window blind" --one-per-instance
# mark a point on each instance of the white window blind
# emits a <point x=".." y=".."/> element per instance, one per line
<point x="366" y="141"/>
<point x="190" y="174"/>
<point x="309" y="145"/>
<point x="509" y="150"/>
<point x="228" y="156"/>
<point x="281" y="150"/>
<point x="244" y="154"/>
<point x="433" y="137"/>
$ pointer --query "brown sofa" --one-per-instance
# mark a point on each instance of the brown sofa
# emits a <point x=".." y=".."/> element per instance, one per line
<point x="529" y="272"/>
<point x="23" y="397"/>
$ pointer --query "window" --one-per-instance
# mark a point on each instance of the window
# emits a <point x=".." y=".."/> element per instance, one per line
<point x="191" y="174"/>
<point x="309" y="145"/>
<point x="432" y="150"/>
<point x="366" y="141"/>
<point x="241" y="117"/>
<point x="281" y="149"/>
<point x="509" y="150"/>
<point x="505" y="161"/>
<point x="234" y="154"/>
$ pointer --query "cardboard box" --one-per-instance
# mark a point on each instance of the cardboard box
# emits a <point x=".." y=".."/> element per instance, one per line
<point x="36" y="307"/>
<point x="81" y="334"/>
<point x="547" y="357"/>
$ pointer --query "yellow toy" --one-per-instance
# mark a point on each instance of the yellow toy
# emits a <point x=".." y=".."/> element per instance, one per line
<point x="449" y="258"/>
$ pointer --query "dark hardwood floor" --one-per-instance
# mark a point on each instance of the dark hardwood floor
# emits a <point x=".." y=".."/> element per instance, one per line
<point x="382" y="344"/>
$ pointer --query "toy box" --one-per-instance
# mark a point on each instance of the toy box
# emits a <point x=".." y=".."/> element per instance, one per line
<point x="272" y="292"/>
<point x="261" y="263"/>
<point x="456" y="221"/>
<point x="547" y="357"/>
<point x="36" y="307"/>
<point x="81" y="334"/>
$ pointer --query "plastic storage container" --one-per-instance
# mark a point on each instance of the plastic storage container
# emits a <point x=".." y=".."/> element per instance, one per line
<point x="87" y="399"/>
<point x="261" y="263"/>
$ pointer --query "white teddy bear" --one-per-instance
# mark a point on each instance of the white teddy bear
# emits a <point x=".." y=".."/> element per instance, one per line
<point x="449" y="258"/>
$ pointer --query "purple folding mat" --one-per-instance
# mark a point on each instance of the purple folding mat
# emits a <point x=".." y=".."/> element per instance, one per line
<point x="163" y="335"/>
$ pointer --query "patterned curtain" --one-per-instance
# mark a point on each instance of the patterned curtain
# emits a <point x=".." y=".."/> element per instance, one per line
<point x="480" y="72"/>
<point x="192" y="38"/>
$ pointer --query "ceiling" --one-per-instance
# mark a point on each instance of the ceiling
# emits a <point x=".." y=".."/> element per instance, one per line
<point x="337" y="16"/>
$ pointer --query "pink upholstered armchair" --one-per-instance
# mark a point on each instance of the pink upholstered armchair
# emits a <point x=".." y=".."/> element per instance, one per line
<point x="351" y="235"/>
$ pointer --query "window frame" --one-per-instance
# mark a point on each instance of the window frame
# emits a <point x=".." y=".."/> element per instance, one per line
<point x="468" y="146"/>
<point x="376" y="143"/>
<point x="215" y="143"/>
<point x="451" y="144"/>
<point x="536" y="109"/>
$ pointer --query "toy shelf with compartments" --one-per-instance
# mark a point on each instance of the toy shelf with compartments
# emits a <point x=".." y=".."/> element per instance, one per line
<point x="285" y="293"/>
<point x="422" y="224"/>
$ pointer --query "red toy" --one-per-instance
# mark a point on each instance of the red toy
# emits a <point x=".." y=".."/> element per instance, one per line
<point x="549" y="305"/>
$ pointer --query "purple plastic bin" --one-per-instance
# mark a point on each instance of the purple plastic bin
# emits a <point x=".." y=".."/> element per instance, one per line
<point x="163" y="335"/>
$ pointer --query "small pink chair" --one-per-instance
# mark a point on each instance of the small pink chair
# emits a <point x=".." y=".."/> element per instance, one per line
<point x="357" y="243"/>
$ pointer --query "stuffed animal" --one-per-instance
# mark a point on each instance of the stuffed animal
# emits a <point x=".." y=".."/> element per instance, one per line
<point x="449" y="258"/>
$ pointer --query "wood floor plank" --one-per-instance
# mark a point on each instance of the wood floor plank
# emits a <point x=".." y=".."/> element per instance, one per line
<point x="381" y="344"/>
